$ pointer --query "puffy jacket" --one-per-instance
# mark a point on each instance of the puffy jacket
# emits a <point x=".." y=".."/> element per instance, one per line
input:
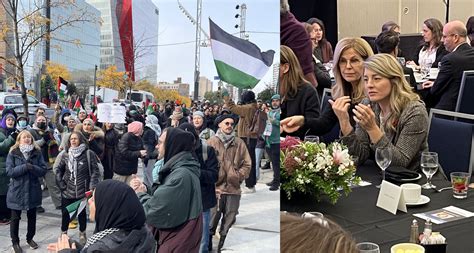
<point x="149" y="142"/>
<point x="234" y="164"/>
<point x="43" y="140"/>
<point x="76" y="188"/>
<point x="5" y="143"/>
<point x="24" y="191"/>
<point x="246" y="113"/>
<point x="208" y="177"/>
<point x="128" y="152"/>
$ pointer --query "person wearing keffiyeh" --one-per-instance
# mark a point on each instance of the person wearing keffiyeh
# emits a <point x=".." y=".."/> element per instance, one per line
<point x="76" y="174"/>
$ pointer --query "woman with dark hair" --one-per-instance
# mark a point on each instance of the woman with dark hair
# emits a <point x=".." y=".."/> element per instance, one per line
<point x="112" y="137"/>
<point x="322" y="47"/>
<point x="432" y="48"/>
<point x="119" y="222"/>
<point x="76" y="173"/>
<point x="8" y="134"/>
<point x="390" y="26"/>
<point x="24" y="165"/>
<point x="299" y="97"/>
<point x="470" y="30"/>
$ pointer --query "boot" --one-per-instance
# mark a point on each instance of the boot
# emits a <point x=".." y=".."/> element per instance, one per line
<point x="82" y="238"/>
<point x="209" y="246"/>
<point x="221" y="243"/>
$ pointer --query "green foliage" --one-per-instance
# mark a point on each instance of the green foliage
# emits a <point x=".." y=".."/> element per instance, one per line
<point x="46" y="83"/>
<point x="266" y="94"/>
<point x="214" y="97"/>
<point x="71" y="89"/>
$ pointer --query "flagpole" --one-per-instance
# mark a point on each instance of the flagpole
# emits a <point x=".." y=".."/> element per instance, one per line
<point x="243" y="11"/>
<point x="95" y="79"/>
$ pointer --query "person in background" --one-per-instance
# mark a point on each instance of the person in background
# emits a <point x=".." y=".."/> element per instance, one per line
<point x="294" y="36"/>
<point x="25" y="165"/>
<point x="248" y="114"/>
<point x="234" y="166"/>
<point x="129" y="149"/>
<point x="349" y="56"/>
<point x="444" y="91"/>
<point x="177" y="118"/>
<point x="76" y="174"/>
<point x="273" y="142"/>
<point x="119" y="223"/>
<point x="206" y="155"/>
<point x="470" y="30"/>
<point x="200" y="125"/>
<point x="43" y="137"/>
<point x="82" y="115"/>
<point x="94" y="135"/>
<point x="396" y="118"/>
<point x="432" y="48"/>
<point x="22" y="123"/>
<point x="72" y="121"/>
<point x="174" y="206"/>
<point x="111" y="139"/>
<point x="307" y="235"/>
<point x="151" y="133"/>
<point x="8" y="134"/>
<point x="387" y="43"/>
<point x="322" y="49"/>
<point x="298" y="96"/>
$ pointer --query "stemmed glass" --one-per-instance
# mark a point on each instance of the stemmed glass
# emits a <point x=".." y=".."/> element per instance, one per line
<point x="425" y="67"/>
<point x="311" y="138"/>
<point x="383" y="157"/>
<point x="429" y="166"/>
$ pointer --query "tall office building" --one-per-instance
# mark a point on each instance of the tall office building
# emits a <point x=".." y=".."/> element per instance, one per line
<point x="6" y="70"/>
<point x="129" y="36"/>
<point x="74" y="46"/>
<point x="205" y="85"/>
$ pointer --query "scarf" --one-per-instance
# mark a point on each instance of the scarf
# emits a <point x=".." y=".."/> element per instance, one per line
<point x="225" y="138"/>
<point x="73" y="153"/>
<point x="98" y="236"/>
<point x="177" y="115"/>
<point x="152" y="122"/>
<point x="25" y="149"/>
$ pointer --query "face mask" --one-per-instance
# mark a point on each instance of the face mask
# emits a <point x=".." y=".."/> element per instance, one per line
<point x="41" y="125"/>
<point x="22" y="123"/>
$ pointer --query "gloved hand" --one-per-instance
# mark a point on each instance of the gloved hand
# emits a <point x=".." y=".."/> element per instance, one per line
<point x="47" y="137"/>
<point x="14" y="135"/>
<point x="29" y="166"/>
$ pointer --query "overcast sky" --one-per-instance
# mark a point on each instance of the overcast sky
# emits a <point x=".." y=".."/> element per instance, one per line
<point x="262" y="22"/>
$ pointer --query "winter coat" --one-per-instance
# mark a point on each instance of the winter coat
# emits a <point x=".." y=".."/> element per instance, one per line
<point x="112" y="137"/>
<point x="246" y="114"/>
<point x="274" y="118"/>
<point x="149" y="142"/>
<point x="43" y="139"/>
<point x="177" y="199"/>
<point x="97" y="144"/>
<point x="5" y="143"/>
<point x="125" y="241"/>
<point x="206" y="134"/>
<point x="128" y="152"/>
<point x="75" y="188"/>
<point x="208" y="178"/>
<point x="24" y="191"/>
<point x="234" y="164"/>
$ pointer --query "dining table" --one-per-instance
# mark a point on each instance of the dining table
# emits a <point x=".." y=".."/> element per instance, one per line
<point x="357" y="213"/>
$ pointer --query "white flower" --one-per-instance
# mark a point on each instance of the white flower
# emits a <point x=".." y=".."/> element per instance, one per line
<point x="297" y="159"/>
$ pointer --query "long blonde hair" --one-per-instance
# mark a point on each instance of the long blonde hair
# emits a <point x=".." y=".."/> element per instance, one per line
<point x="17" y="143"/>
<point x="305" y="235"/>
<point x="343" y="87"/>
<point x="401" y="93"/>
<point x="294" y="78"/>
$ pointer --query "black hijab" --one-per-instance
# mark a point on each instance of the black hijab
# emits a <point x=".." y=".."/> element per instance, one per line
<point x="177" y="140"/>
<point x="117" y="206"/>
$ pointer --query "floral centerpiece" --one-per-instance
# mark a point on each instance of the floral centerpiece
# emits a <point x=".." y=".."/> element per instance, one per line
<point x="316" y="168"/>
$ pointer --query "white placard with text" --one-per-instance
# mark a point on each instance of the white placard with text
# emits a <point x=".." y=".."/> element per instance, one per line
<point x="391" y="198"/>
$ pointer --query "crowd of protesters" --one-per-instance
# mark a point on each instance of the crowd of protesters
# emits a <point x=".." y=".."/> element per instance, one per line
<point x="194" y="162"/>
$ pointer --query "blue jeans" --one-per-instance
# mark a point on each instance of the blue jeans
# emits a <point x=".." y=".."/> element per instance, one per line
<point x="206" y="217"/>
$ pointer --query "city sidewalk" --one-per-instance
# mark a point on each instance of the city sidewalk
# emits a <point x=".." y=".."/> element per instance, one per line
<point x="256" y="229"/>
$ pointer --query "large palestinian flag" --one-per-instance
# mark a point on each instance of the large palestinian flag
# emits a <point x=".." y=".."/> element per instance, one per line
<point x="238" y="61"/>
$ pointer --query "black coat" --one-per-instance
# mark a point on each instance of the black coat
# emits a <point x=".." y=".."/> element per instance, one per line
<point x="444" y="93"/>
<point x="112" y="137"/>
<point x="306" y="103"/>
<point x="128" y="152"/>
<point x="24" y="191"/>
<point x="149" y="142"/>
<point x="85" y="180"/>
<point x="208" y="177"/>
<point x="440" y="53"/>
<point x="47" y="136"/>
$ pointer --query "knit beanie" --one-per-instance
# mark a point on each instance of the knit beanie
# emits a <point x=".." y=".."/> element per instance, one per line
<point x="135" y="127"/>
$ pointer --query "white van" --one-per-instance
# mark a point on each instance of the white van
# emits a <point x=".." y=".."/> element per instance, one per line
<point x="139" y="97"/>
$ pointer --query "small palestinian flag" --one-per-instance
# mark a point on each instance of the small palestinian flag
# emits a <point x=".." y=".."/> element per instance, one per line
<point x="62" y="87"/>
<point x="77" y="106"/>
<point x="77" y="207"/>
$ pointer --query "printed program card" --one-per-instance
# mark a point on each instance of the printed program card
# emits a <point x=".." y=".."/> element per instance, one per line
<point x="443" y="215"/>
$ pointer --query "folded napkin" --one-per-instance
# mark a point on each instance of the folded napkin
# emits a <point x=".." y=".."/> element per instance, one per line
<point x="399" y="174"/>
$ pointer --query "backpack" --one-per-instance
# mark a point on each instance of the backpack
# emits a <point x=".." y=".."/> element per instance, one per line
<point x="99" y="164"/>
<point x="257" y="125"/>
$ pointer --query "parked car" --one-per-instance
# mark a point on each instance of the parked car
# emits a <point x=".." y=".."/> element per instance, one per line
<point x="14" y="100"/>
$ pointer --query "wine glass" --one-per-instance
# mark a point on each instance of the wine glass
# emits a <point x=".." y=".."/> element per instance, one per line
<point x="429" y="166"/>
<point x="425" y="67"/>
<point x="311" y="138"/>
<point x="368" y="247"/>
<point x="383" y="157"/>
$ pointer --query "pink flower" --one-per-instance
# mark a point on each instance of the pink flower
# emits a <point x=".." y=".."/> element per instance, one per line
<point x="338" y="156"/>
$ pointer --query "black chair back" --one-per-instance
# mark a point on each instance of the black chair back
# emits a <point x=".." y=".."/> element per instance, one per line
<point x="453" y="140"/>
<point x="465" y="103"/>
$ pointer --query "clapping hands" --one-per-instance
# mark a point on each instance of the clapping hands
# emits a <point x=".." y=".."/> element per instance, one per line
<point x="63" y="243"/>
<point x="137" y="184"/>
